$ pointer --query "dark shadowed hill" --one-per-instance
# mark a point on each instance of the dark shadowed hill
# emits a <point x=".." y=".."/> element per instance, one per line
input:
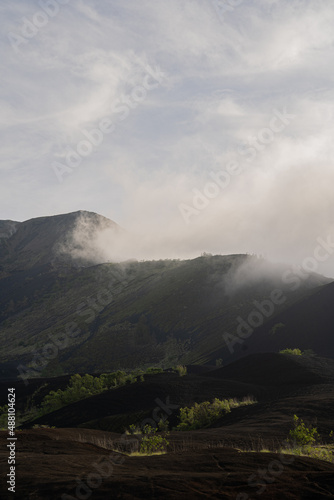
<point x="263" y="376"/>
<point x="137" y="313"/>
<point x="273" y="369"/>
<point x="307" y="324"/>
<point x="220" y="461"/>
<point x="116" y="408"/>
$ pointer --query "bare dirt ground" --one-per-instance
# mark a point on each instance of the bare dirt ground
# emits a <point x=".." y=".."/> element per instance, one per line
<point x="217" y="463"/>
<point x="53" y="464"/>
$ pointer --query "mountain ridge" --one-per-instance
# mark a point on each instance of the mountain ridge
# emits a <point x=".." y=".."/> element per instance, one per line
<point x="138" y="313"/>
<point x="40" y="240"/>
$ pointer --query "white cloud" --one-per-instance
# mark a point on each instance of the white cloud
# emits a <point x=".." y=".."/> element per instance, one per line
<point x="222" y="81"/>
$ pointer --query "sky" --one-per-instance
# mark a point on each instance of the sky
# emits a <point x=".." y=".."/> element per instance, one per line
<point x="202" y="125"/>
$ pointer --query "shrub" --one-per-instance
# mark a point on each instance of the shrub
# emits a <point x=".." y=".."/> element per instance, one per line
<point x="152" y="443"/>
<point x="302" y="435"/>
<point x="81" y="387"/>
<point x="112" y="380"/>
<point x="302" y="441"/>
<point x="154" y="369"/>
<point x="181" y="370"/>
<point x="204" y="414"/>
<point x="296" y="352"/>
<point x="319" y="452"/>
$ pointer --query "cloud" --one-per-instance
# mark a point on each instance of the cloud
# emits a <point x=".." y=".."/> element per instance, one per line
<point x="223" y="79"/>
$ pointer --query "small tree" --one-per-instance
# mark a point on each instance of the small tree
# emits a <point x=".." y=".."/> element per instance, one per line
<point x="151" y="442"/>
<point x="302" y="435"/>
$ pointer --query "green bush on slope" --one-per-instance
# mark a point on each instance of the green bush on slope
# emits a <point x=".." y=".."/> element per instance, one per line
<point x="301" y="434"/>
<point x="304" y="441"/>
<point x="296" y="352"/>
<point x="82" y="387"/>
<point x="204" y="414"/>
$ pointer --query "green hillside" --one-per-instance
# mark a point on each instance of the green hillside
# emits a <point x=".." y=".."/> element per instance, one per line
<point x="60" y="314"/>
<point x="133" y="314"/>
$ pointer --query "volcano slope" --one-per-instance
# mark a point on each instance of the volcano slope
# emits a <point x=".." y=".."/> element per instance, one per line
<point x="222" y="461"/>
<point x="60" y="313"/>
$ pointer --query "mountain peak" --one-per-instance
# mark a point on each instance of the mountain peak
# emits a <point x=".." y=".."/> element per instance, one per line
<point x="45" y="240"/>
